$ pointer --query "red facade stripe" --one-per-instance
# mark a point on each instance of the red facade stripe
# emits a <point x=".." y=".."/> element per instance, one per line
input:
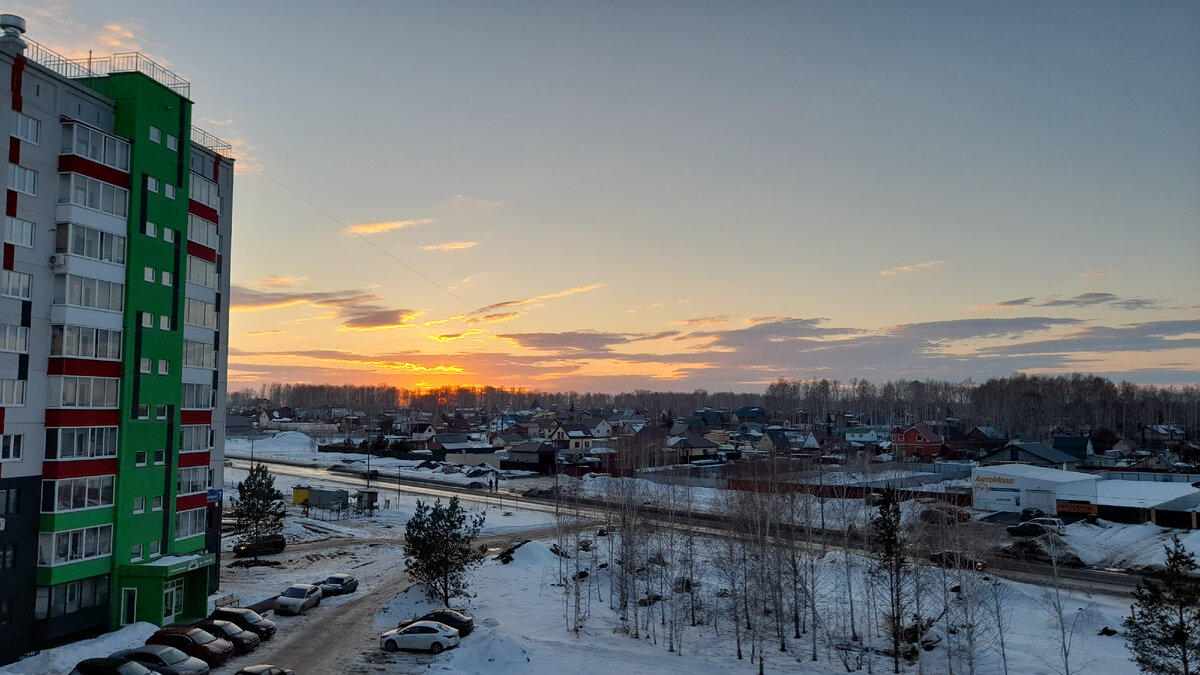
<point x="18" y="77"/>
<point x="14" y="150"/>
<point x="78" y="467"/>
<point x="64" y="366"/>
<point x="217" y="169"/>
<point x="87" y="167"/>
<point x="83" y="418"/>
<point x="191" y="502"/>
<point x="202" y="252"/>
<point x="2" y="420"/>
<point x="10" y="204"/>
<point x="206" y="212"/>
<point x="195" y="417"/>
<point x="10" y="254"/>
<point x="187" y="459"/>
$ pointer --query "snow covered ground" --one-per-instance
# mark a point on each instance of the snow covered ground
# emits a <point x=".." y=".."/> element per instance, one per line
<point x="1134" y="547"/>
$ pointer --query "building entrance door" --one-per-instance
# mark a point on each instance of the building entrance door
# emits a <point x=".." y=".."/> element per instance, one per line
<point x="172" y="600"/>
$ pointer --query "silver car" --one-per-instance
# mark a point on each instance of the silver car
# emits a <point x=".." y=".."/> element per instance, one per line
<point x="297" y="598"/>
<point x="432" y="635"/>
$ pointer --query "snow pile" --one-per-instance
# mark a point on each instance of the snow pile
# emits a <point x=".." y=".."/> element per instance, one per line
<point x="63" y="659"/>
<point x="1136" y="547"/>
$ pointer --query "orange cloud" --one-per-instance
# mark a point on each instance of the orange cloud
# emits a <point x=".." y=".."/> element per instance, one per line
<point x="496" y="318"/>
<point x="262" y="332"/>
<point x="451" y="246"/>
<point x="385" y="226"/>
<point x="548" y="296"/>
<point x="755" y="320"/>
<point x="702" y="321"/>
<point x="909" y="268"/>
<point x="454" y="336"/>
<point x="276" y="281"/>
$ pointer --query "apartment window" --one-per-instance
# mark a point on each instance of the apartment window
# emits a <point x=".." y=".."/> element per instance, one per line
<point x="166" y="276"/>
<point x="6" y="608"/>
<point x="189" y="523"/>
<point x="195" y="437"/>
<point x="14" y="338"/>
<point x="199" y="354"/>
<point x="149" y="275"/>
<point x="203" y="232"/>
<point x="10" y="501"/>
<point x="147" y="320"/>
<point x="80" y="190"/>
<point x="200" y="313"/>
<point x="144" y="365"/>
<point x="164" y="367"/>
<point x="168" y="235"/>
<point x="152" y="184"/>
<point x="26" y="128"/>
<point x="164" y="322"/>
<point x="8" y="556"/>
<point x="135" y="553"/>
<point x="18" y="231"/>
<point x="10" y="447"/>
<point x="85" y="292"/>
<point x="22" y="179"/>
<point x="16" y="284"/>
<point x="151" y="229"/>
<point x="56" y="548"/>
<point x="169" y="191"/>
<point x="12" y="392"/>
<point x="154" y="547"/>
<point x="160" y="412"/>
<point x="81" y="442"/>
<point x="203" y="190"/>
<point x="89" y="243"/>
<point x="201" y="272"/>
<point x="70" y="391"/>
<point x="156" y="134"/>
<point x="156" y="503"/>
<point x="75" y="494"/>
<point x="160" y="457"/>
<point x="192" y="480"/>
<point x="197" y="396"/>
<point x="143" y="411"/>
<point x="96" y="146"/>
<point x="172" y="142"/>
<point x="139" y="458"/>
<point x="51" y="601"/>
<point x="85" y="342"/>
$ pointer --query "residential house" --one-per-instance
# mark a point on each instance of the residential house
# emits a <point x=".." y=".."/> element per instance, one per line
<point x="571" y="436"/>
<point x="690" y="447"/>
<point x="1035" y="454"/>
<point x="532" y="456"/>
<point x="862" y="436"/>
<point x="751" y="414"/>
<point x="915" y="441"/>
<point x="984" y="438"/>
<point x="1079" y="447"/>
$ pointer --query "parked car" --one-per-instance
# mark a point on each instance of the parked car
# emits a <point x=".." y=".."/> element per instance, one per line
<point x="194" y="642"/>
<point x="246" y="618"/>
<point x="337" y="584"/>
<point x="271" y="543"/>
<point x="243" y="640"/>
<point x="431" y="635"/>
<point x="460" y="621"/>
<point x="110" y="666"/>
<point x="1027" y="530"/>
<point x="1055" y="525"/>
<point x="1029" y="513"/>
<point x="264" y="669"/>
<point x="164" y="659"/>
<point x="957" y="560"/>
<point x="297" y="598"/>
<point x="945" y="515"/>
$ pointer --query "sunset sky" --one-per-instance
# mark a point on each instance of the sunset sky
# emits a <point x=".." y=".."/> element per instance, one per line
<point x="678" y="195"/>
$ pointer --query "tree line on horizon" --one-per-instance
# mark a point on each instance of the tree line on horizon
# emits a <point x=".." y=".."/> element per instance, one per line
<point x="1018" y="404"/>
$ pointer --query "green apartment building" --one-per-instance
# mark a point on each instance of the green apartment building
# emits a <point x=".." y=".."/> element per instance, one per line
<point x="113" y="307"/>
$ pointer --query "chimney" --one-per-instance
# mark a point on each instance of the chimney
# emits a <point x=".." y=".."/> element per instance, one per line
<point x="13" y="27"/>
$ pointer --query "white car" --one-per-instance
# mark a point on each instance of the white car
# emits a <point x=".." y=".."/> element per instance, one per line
<point x="430" y="635"/>
<point x="1055" y="525"/>
<point x="297" y="598"/>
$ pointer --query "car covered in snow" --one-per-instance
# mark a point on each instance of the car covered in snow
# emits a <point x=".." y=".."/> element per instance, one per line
<point x="427" y="635"/>
<point x="337" y="584"/>
<point x="297" y="598"/>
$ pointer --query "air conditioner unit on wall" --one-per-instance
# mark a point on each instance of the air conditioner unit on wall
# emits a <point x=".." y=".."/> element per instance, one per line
<point x="58" y="260"/>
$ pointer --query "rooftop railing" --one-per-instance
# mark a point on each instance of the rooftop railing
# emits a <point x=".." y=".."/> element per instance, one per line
<point x="90" y="68"/>
<point x="206" y="140"/>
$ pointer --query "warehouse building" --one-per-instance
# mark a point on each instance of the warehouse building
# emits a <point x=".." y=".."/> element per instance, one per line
<point x="1012" y="487"/>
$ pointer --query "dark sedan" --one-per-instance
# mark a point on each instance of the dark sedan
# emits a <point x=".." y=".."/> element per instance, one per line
<point x="337" y="584"/>
<point x="1027" y="530"/>
<point x="194" y="642"/>
<point x="264" y="669"/>
<point x="243" y="640"/>
<point x="453" y="618"/>
<point x="164" y="659"/>
<point x="246" y="618"/>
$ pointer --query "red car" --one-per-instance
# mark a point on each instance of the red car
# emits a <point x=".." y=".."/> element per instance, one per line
<point x="194" y="642"/>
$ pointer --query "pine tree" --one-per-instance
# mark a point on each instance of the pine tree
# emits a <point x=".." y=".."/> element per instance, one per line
<point x="259" y="507"/>
<point x="891" y="567"/>
<point x="438" y="545"/>
<point x="1163" y="628"/>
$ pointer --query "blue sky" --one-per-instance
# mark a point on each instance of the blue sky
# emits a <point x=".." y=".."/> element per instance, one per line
<point x="679" y="195"/>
